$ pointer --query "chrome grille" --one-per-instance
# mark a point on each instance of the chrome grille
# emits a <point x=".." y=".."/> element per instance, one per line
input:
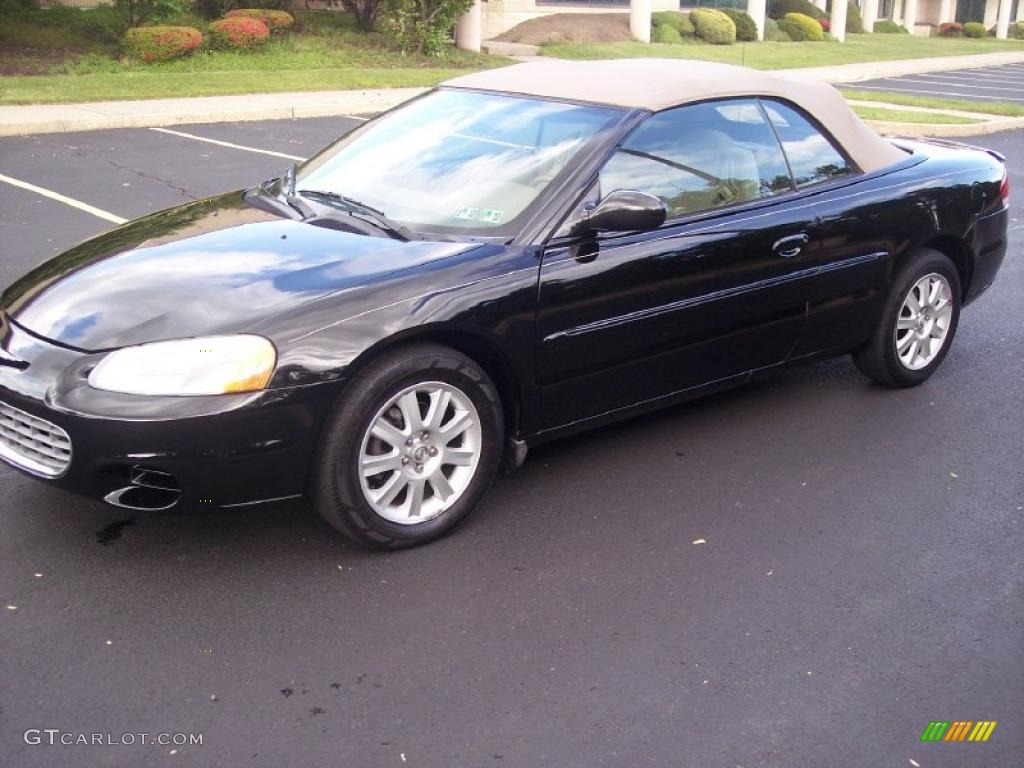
<point x="32" y="443"/>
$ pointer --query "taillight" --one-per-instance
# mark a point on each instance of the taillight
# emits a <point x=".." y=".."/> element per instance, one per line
<point x="1004" y="188"/>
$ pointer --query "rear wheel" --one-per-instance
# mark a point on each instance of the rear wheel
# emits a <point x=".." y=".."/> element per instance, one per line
<point x="917" y="325"/>
<point x="410" y="449"/>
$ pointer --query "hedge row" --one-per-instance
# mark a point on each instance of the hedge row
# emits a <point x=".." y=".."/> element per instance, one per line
<point x="707" y="24"/>
<point x="161" y="43"/>
<point x="243" y="28"/>
<point x="713" y="26"/>
<point x="238" y="32"/>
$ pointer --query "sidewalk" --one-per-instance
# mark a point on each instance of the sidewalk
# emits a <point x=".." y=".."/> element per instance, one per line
<point x="57" y="118"/>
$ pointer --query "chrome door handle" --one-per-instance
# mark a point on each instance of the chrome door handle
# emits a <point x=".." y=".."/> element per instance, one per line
<point x="788" y="247"/>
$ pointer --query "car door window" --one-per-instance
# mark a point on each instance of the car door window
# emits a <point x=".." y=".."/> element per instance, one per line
<point x="700" y="157"/>
<point x="812" y="157"/>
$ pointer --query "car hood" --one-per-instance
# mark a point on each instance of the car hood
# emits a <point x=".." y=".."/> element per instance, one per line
<point x="209" y="267"/>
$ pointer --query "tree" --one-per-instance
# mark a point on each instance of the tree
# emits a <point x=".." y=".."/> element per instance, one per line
<point x="365" y="12"/>
<point x="423" y="25"/>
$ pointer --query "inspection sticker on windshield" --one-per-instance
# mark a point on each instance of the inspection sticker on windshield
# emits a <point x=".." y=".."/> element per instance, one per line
<point x="491" y="215"/>
<point x="467" y="213"/>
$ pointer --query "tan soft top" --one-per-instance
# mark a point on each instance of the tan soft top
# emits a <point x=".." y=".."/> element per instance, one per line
<point x="658" y="84"/>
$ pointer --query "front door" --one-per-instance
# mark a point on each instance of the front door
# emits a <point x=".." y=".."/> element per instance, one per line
<point x="719" y="290"/>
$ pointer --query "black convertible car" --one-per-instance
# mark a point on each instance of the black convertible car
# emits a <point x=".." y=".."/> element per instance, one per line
<point x="511" y="257"/>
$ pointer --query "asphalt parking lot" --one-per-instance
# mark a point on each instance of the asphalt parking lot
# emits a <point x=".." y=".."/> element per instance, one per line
<point x="1005" y="83"/>
<point x="861" y="572"/>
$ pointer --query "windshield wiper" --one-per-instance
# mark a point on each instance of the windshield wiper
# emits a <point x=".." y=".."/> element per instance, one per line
<point x="356" y="209"/>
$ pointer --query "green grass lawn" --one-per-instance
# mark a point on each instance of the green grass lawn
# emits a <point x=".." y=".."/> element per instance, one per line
<point x="911" y="116"/>
<point x="962" y="105"/>
<point x="326" y="53"/>
<point x="857" y="48"/>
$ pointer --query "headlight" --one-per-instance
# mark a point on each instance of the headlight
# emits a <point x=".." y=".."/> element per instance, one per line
<point x="210" y="365"/>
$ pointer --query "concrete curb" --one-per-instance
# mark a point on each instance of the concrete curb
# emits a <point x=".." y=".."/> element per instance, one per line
<point x="59" y="118"/>
<point x="851" y="73"/>
<point x="945" y="129"/>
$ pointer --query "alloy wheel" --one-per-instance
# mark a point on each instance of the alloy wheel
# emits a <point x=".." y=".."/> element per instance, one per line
<point x="420" y="453"/>
<point x="922" y="325"/>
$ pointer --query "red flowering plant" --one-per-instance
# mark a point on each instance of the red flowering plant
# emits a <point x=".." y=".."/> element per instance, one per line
<point x="278" y="22"/>
<point x="238" y="32"/>
<point x="161" y="43"/>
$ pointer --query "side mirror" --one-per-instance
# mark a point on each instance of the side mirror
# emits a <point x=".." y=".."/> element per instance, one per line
<point x="624" y="210"/>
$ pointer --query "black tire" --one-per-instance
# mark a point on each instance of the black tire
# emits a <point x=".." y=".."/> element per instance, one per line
<point x="878" y="359"/>
<point x="335" y="490"/>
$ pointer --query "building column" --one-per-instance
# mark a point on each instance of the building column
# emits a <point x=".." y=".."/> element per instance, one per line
<point x="468" y="29"/>
<point x="909" y="14"/>
<point x="837" y="22"/>
<point x="820" y="4"/>
<point x="1020" y="11"/>
<point x="869" y="13"/>
<point x="756" y="10"/>
<point x="1003" y="19"/>
<point x="640" y="20"/>
<point x="946" y="12"/>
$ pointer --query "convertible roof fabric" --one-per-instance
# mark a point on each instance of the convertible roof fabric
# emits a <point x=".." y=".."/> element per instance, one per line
<point x="657" y="84"/>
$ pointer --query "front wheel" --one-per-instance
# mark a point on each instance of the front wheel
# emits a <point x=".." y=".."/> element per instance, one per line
<point x="917" y="324"/>
<point x="410" y="449"/>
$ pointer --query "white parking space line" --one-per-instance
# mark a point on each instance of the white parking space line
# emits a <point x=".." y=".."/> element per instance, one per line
<point x="925" y="80"/>
<point x="924" y="92"/>
<point x="97" y="212"/>
<point x="229" y="144"/>
<point x="981" y="80"/>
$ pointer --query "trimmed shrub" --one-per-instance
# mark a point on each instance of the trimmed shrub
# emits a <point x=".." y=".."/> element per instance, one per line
<point x="886" y="27"/>
<point x="278" y="22"/>
<point x="950" y="29"/>
<point x="1016" y="31"/>
<point x="746" y="27"/>
<point x="161" y="43"/>
<point x="663" y="33"/>
<point x="792" y="30"/>
<point x="854" y="21"/>
<point x="780" y="8"/>
<point x="680" y="22"/>
<point x="773" y="34"/>
<point x="974" y="29"/>
<point x="238" y="32"/>
<point x="811" y="27"/>
<point x="826" y="24"/>
<point x="713" y="26"/>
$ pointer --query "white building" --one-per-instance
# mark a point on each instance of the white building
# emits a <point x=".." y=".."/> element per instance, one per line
<point x="492" y="17"/>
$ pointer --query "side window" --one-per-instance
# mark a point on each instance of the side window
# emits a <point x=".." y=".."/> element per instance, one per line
<point x="811" y="156"/>
<point x="701" y="156"/>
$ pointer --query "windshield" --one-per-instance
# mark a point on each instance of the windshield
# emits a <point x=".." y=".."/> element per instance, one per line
<point x="458" y="162"/>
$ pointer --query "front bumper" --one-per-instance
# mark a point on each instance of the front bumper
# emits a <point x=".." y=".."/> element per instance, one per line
<point x="224" y="450"/>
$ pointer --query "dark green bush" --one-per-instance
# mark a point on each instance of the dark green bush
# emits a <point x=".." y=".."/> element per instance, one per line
<point x="854" y="21"/>
<point x="103" y="25"/>
<point x="680" y="22"/>
<point x="746" y="27"/>
<point x="1016" y="31"/>
<point x="663" y="33"/>
<point x="779" y="9"/>
<point x="886" y="27"/>
<point x="792" y="30"/>
<point x="713" y="26"/>
<point x="161" y="43"/>
<point x="773" y="33"/>
<point x="811" y="28"/>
